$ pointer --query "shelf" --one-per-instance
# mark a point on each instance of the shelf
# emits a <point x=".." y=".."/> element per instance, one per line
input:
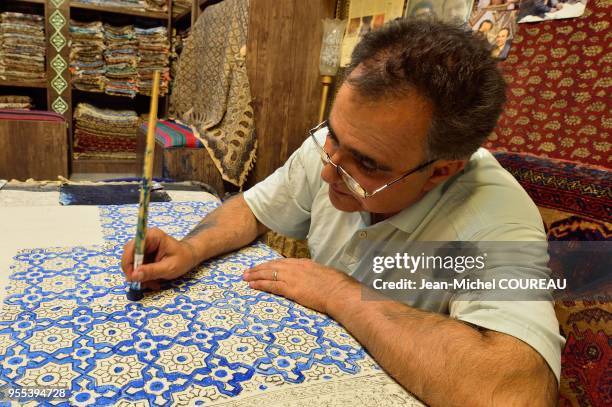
<point x="201" y="3"/>
<point x="104" y="94"/>
<point x="31" y="1"/>
<point x="119" y="10"/>
<point x="181" y="15"/>
<point x="25" y="84"/>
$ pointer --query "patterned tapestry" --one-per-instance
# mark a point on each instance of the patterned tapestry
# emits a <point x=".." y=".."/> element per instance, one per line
<point x="212" y="92"/>
<point x="205" y="338"/>
<point x="564" y="186"/>
<point x="586" y="364"/>
<point x="559" y="98"/>
<point x="576" y="205"/>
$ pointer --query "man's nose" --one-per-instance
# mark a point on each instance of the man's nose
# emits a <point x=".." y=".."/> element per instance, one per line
<point x="330" y="173"/>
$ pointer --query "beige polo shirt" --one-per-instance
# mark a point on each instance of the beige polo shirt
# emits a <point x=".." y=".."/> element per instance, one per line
<point x="482" y="203"/>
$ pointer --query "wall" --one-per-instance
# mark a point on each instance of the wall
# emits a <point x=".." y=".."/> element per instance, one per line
<point x="283" y="64"/>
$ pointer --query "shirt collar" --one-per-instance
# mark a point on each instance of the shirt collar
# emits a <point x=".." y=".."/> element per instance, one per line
<point x="410" y="218"/>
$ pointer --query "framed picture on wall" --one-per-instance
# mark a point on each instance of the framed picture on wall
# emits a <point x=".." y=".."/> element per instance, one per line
<point x="497" y="27"/>
<point x="456" y="11"/>
<point x="531" y="11"/>
<point x="365" y="16"/>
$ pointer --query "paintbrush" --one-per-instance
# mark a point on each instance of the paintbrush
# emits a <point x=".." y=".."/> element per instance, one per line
<point x="135" y="290"/>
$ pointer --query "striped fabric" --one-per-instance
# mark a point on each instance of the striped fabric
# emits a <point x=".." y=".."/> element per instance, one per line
<point x="30" y="115"/>
<point x="171" y="134"/>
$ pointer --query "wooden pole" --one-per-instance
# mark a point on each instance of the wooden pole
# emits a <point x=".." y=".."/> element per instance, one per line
<point x="327" y="81"/>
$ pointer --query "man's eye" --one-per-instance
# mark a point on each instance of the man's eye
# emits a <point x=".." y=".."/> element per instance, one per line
<point x="367" y="167"/>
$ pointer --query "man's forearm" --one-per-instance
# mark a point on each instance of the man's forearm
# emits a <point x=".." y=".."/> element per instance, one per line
<point x="229" y="227"/>
<point x="444" y="361"/>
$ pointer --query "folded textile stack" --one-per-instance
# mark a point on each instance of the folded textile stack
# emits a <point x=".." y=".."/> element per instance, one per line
<point x="154" y="51"/>
<point x="131" y="4"/>
<point x="156" y="5"/>
<point x="121" y="57"/>
<point x="104" y="133"/>
<point x="87" y="56"/>
<point x="140" y="5"/>
<point x="15" y="102"/>
<point x="22" y="47"/>
<point x="180" y="7"/>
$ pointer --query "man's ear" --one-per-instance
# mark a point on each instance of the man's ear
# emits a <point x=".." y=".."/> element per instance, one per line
<point x="442" y="170"/>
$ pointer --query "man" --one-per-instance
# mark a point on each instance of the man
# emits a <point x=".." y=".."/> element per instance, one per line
<point x="423" y="10"/>
<point x="398" y="160"/>
<point x="455" y="11"/>
<point x="502" y="44"/>
<point x="484" y="30"/>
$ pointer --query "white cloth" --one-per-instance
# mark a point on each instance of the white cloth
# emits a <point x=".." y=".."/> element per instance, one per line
<point x="482" y="203"/>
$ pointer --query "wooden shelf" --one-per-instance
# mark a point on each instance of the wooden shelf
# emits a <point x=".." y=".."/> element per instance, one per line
<point x="25" y="84"/>
<point x="201" y="3"/>
<point x="181" y="15"/>
<point x="119" y="10"/>
<point x="104" y="94"/>
<point x="43" y="2"/>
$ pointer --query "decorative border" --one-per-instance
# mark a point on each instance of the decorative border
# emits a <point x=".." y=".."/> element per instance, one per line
<point x="57" y="17"/>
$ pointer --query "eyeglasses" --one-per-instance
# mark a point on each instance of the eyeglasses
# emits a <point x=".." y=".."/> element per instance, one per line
<point x="350" y="182"/>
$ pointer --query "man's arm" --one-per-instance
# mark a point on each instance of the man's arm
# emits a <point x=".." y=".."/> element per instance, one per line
<point x="445" y="361"/>
<point x="442" y="361"/>
<point x="229" y="227"/>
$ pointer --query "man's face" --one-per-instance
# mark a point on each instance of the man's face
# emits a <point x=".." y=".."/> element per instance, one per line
<point x="455" y="10"/>
<point x="501" y="38"/>
<point x="423" y="13"/>
<point x="376" y="142"/>
<point x="485" y="27"/>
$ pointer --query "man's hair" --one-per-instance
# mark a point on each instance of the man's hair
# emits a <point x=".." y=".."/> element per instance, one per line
<point x="448" y="64"/>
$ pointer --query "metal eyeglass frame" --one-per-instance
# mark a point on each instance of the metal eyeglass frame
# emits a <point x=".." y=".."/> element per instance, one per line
<point x="350" y="182"/>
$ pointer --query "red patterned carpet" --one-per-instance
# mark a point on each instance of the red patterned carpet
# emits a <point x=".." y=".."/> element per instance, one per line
<point x="559" y="99"/>
<point x="580" y="190"/>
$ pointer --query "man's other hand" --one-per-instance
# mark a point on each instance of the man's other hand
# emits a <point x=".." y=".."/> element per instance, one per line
<point x="166" y="258"/>
<point x="303" y="281"/>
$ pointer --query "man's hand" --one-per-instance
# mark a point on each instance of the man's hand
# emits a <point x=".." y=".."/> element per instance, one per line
<point x="303" y="281"/>
<point x="166" y="258"/>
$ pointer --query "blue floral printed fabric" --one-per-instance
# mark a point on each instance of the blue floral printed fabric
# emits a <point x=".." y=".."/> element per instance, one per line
<point x="205" y="338"/>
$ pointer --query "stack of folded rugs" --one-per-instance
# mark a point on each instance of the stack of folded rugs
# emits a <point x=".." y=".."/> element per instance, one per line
<point x="87" y="56"/>
<point x="180" y="6"/>
<point x="140" y="5"/>
<point x="127" y="4"/>
<point x="22" y="47"/>
<point x="154" y="52"/>
<point x="104" y="133"/>
<point x="121" y="57"/>
<point x="118" y="60"/>
<point x="15" y="102"/>
<point x="156" y="5"/>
